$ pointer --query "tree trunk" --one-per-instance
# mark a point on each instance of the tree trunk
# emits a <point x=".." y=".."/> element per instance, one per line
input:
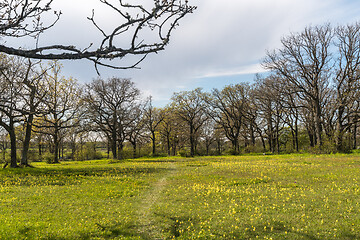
<point x="246" y="142"/>
<point x="113" y="146"/>
<point x="218" y="141"/>
<point x="263" y="143"/>
<point x="318" y="128"/>
<point x="270" y="134"/>
<point x="62" y="149"/>
<point x="56" y="147"/>
<point x="13" y="160"/>
<point x="192" y="142"/>
<point x="235" y="143"/>
<point x="108" y="148"/>
<point x="339" y="135"/>
<point x="339" y="132"/>
<point x="277" y="137"/>
<point x="120" y="151"/>
<point x="174" y="147"/>
<point x="24" y="157"/>
<point x="73" y="149"/>
<point x="168" y="144"/>
<point x="134" y="149"/>
<point x="153" y="143"/>
<point x="252" y="135"/>
<point x="311" y="135"/>
<point x="296" y="135"/>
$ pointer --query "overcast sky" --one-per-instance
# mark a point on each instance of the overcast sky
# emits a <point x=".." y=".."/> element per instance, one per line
<point x="221" y="43"/>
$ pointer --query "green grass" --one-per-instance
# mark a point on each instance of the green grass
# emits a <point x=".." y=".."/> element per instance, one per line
<point x="245" y="197"/>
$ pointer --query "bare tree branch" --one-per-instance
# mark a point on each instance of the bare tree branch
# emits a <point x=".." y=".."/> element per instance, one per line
<point x="23" y="18"/>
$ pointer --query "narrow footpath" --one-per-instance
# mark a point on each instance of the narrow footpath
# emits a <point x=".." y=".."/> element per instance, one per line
<point x="148" y="228"/>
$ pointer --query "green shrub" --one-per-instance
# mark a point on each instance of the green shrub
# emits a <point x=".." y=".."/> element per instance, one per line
<point x="184" y="152"/>
<point x="161" y="154"/>
<point x="48" y="157"/>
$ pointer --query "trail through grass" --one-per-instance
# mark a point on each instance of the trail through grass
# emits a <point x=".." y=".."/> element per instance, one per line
<point x="148" y="226"/>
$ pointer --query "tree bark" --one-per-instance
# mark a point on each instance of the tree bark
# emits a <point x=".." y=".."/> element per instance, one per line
<point x="318" y="128"/>
<point x="56" y="145"/>
<point x="13" y="160"/>
<point x="134" y="149"/>
<point x="192" y="142"/>
<point x="26" y="146"/>
<point x="153" y="143"/>
<point x="168" y="145"/>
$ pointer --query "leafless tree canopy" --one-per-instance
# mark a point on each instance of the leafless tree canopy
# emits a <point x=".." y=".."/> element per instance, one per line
<point x="20" y="18"/>
<point x="113" y="106"/>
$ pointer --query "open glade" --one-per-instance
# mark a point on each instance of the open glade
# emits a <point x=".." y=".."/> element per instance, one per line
<point x="230" y="197"/>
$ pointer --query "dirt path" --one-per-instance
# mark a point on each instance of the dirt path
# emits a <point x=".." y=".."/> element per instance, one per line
<point x="148" y="229"/>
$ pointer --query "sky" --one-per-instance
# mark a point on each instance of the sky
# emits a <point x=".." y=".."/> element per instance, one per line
<point x="221" y="43"/>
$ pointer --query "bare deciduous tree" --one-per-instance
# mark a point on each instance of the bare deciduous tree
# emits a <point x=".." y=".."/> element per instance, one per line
<point x="268" y="100"/>
<point x="135" y="126"/>
<point x="32" y="94"/>
<point x="304" y="62"/>
<point x="190" y="107"/>
<point x="63" y="106"/>
<point x="228" y="109"/>
<point x="110" y="103"/>
<point x="347" y="79"/>
<point x="11" y="75"/>
<point x="153" y="117"/>
<point x="169" y="130"/>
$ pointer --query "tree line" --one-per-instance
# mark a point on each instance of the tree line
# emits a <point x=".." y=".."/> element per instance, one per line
<point x="146" y="28"/>
<point x="308" y="101"/>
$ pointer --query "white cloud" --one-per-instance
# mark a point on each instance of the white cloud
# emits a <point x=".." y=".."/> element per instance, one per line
<point x="221" y="38"/>
<point x="243" y="70"/>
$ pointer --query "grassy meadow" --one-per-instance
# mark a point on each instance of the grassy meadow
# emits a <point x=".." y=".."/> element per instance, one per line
<point x="232" y="197"/>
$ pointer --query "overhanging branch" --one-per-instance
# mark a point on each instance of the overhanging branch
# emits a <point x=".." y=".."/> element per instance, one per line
<point x="163" y="17"/>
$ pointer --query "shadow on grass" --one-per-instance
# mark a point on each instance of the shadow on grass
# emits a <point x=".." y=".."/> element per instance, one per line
<point x="281" y="231"/>
<point x="177" y="225"/>
<point x="156" y="161"/>
<point x="104" y="232"/>
<point x="118" y="230"/>
<point x="70" y="176"/>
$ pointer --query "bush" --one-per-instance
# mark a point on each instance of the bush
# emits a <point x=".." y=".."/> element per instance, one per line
<point x="88" y="153"/>
<point x="231" y="152"/>
<point x="328" y="147"/>
<point x="48" y="157"/>
<point x="159" y="155"/>
<point x="33" y="156"/>
<point x="7" y="157"/>
<point x="184" y="152"/>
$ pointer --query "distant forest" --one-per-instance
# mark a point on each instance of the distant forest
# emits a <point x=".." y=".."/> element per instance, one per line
<point x="309" y="101"/>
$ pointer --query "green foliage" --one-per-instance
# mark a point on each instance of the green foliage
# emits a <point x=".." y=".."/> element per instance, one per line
<point x="48" y="157"/>
<point x="328" y="147"/>
<point x="231" y="151"/>
<point x="156" y="155"/>
<point x="33" y="156"/>
<point x="184" y="152"/>
<point x="87" y="152"/>
<point x="4" y="156"/>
